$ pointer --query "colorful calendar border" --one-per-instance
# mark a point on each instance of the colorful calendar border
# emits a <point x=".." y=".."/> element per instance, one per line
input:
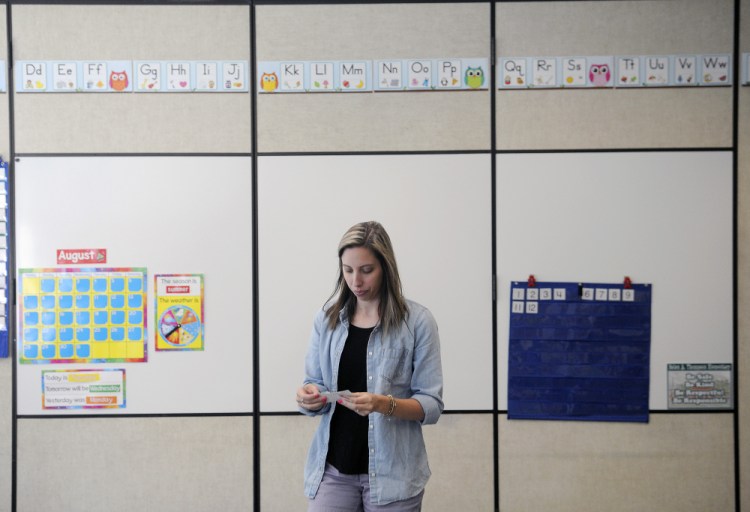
<point x="52" y="270"/>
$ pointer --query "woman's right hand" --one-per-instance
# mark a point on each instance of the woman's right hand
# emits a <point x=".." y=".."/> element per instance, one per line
<point x="309" y="397"/>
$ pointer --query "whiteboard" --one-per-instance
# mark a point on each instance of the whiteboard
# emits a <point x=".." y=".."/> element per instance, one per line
<point x="663" y="218"/>
<point x="171" y="215"/>
<point x="436" y="209"/>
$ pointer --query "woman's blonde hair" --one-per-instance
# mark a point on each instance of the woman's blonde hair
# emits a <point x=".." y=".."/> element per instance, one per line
<point x="392" y="308"/>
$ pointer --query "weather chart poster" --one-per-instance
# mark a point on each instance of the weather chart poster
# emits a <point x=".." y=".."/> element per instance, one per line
<point x="179" y="312"/>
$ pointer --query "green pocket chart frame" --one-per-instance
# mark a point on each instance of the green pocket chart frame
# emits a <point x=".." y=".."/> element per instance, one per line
<point x="579" y="351"/>
<point x="89" y="315"/>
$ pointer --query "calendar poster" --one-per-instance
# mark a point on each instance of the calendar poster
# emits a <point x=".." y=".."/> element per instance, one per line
<point x="179" y="311"/>
<point x="579" y="351"/>
<point x="82" y="315"/>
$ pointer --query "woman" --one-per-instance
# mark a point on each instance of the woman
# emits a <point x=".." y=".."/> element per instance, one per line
<point x="368" y="452"/>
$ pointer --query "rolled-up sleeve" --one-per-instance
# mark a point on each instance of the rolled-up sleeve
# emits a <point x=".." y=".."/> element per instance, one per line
<point x="313" y="363"/>
<point x="427" y="378"/>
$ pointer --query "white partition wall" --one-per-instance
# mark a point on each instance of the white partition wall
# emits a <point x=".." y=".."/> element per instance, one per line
<point x="663" y="219"/>
<point x="478" y="188"/>
<point x="308" y="202"/>
<point x="168" y="215"/>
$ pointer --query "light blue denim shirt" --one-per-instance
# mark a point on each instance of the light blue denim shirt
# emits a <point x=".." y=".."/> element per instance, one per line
<point x="405" y="364"/>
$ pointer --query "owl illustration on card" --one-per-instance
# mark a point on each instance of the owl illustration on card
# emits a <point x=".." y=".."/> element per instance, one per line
<point x="599" y="75"/>
<point x="474" y="77"/>
<point x="269" y="82"/>
<point x="118" y="80"/>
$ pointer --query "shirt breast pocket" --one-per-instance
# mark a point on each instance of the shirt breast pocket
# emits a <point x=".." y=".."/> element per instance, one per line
<point x="395" y="364"/>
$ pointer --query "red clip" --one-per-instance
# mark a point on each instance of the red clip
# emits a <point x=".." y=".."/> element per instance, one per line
<point x="532" y="281"/>
<point x="628" y="284"/>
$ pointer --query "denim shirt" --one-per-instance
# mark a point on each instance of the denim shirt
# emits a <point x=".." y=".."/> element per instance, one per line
<point x="405" y="364"/>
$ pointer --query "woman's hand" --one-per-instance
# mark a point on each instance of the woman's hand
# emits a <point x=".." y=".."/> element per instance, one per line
<point x="309" y="397"/>
<point x="365" y="403"/>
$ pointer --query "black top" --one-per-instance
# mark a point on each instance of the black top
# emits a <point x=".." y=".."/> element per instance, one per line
<point x="347" y="446"/>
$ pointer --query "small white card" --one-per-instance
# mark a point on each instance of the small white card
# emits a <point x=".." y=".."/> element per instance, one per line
<point x="513" y="73"/>
<point x="716" y="70"/>
<point x="657" y="70"/>
<point x="628" y="72"/>
<point x="335" y="396"/>
<point x="685" y="70"/>
<point x="544" y="72"/>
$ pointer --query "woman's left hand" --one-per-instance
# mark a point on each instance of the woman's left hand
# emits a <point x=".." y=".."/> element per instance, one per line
<point x="365" y="403"/>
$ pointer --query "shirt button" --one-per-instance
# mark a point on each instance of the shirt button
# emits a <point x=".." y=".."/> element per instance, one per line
<point x="370" y="353"/>
<point x="372" y="474"/>
<point x="372" y="450"/>
<point x="370" y="377"/>
<point x="372" y="426"/>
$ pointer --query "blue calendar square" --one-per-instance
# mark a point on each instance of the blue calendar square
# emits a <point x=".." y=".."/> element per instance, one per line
<point x="49" y="351"/>
<point x="117" y="284"/>
<point x="135" y="334"/>
<point x="117" y="317"/>
<point x="100" y="284"/>
<point x="135" y="317"/>
<point x="31" y="302"/>
<point x="135" y="284"/>
<point x="65" y="284"/>
<point x="31" y="351"/>
<point x="66" y="301"/>
<point x="66" y="351"/>
<point x="101" y="317"/>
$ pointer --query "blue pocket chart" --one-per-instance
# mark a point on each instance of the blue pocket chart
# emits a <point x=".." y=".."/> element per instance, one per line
<point x="579" y="351"/>
<point x="4" y="237"/>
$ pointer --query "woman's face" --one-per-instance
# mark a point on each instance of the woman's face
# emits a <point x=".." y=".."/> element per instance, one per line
<point x="362" y="272"/>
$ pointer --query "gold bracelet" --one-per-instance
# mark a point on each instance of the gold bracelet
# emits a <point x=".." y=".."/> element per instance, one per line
<point x="392" y="406"/>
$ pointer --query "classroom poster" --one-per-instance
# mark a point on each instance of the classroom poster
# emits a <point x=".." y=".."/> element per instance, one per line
<point x="179" y="311"/>
<point x="82" y="315"/>
<point x="83" y="389"/>
<point x="699" y="386"/>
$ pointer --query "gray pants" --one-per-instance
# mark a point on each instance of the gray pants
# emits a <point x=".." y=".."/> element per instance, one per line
<point x="351" y="493"/>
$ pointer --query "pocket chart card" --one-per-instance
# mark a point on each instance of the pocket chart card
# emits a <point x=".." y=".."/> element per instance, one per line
<point x="579" y="351"/>
<point x="82" y="315"/>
